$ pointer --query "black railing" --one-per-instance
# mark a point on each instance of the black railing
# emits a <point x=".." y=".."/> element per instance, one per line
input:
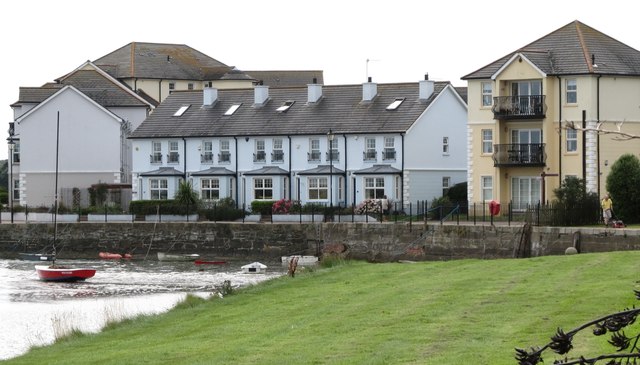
<point x="389" y="154"/>
<point x="277" y="156"/>
<point x="155" y="158"/>
<point x="173" y="157"/>
<point x="519" y="107"/>
<point x="313" y="156"/>
<point x="206" y="157"/>
<point x="260" y="156"/>
<point x="519" y="154"/>
<point x="333" y="156"/>
<point x="370" y="155"/>
<point x="224" y="157"/>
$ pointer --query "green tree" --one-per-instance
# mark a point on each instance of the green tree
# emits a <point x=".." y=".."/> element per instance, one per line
<point x="186" y="196"/>
<point x="623" y="184"/>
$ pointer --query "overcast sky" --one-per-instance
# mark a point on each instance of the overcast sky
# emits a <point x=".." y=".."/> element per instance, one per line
<point x="403" y="39"/>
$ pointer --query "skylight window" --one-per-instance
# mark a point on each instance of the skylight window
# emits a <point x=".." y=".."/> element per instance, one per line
<point x="285" y="106"/>
<point x="232" y="109"/>
<point x="395" y="104"/>
<point x="181" y="110"/>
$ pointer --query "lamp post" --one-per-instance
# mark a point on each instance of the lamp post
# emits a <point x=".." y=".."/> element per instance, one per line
<point x="330" y="136"/>
<point x="11" y="186"/>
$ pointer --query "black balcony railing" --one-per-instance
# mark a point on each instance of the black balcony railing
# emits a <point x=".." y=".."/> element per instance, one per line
<point x="333" y="156"/>
<point x="224" y="157"/>
<point x="519" y="107"/>
<point x="277" y="156"/>
<point x="173" y="157"/>
<point x="370" y="155"/>
<point x="389" y="154"/>
<point x="519" y="154"/>
<point x="155" y="157"/>
<point x="206" y="157"/>
<point x="313" y="156"/>
<point x="260" y="156"/>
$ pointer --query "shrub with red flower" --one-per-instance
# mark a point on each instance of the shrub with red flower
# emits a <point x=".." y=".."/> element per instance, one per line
<point x="368" y="206"/>
<point x="282" y="206"/>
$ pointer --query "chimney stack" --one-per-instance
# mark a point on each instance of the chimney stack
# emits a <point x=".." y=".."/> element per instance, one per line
<point x="209" y="97"/>
<point x="426" y="88"/>
<point x="369" y="90"/>
<point x="314" y="91"/>
<point x="261" y="94"/>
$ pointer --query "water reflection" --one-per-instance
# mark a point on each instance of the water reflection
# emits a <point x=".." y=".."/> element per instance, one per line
<point x="34" y="310"/>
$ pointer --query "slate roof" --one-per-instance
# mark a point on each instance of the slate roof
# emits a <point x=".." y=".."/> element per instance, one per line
<point x="340" y="109"/>
<point x="90" y="82"/>
<point x="569" y="51"/>
<point x="322" y="170"/>
<point x="287" y="78"/>
<point x="378" y="169"/>
<point x="214" y="171"/>
<point x="163" y="171"/>
<point x="267" y="170"/>
<point x="163" y="61"/>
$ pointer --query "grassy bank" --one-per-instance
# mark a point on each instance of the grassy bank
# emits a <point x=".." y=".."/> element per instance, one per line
<point x="457" y="312"/>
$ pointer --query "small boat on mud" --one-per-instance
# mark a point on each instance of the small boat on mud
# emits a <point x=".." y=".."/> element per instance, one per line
<point x="62" y="273"/>
<point x="163" y="256"/>
<point x="209" y="262"/>
<point x="114" y="256"/>
<point x="254" y="268"/>
<point x="36" y="256"/>
<point x="301" y="260"/>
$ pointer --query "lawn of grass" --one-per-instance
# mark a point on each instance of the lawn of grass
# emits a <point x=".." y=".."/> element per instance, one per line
<point x="456" y="312"/>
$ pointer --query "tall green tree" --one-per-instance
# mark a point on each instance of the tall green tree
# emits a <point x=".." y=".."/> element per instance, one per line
<point x="623" y="184"/>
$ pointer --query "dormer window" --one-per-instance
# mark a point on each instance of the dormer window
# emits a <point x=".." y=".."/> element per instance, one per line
<point x="232" y="109"/>
<point x="181" y="111"/>
<point x="285" y="106"/>
<point x="396" y="103"/>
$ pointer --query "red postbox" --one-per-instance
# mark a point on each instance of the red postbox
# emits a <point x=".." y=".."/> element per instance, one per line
<point x="494" y="207"/>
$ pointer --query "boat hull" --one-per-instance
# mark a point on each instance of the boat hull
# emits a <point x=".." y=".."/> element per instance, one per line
<point x="162" y="256"/>
<point x="205" y="262"/>
<point x="113" y="256"/>
<point x="36" y="256"/>
<point x="63" y="274"/>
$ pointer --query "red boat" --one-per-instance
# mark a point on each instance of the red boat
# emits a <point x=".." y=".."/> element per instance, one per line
<point x="62" y="273"/>
<point x="114" y="256"/>
<point x="204" y="262"/>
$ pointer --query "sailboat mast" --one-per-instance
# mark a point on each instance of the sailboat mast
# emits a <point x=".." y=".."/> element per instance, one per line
<point x="55" y="194"/>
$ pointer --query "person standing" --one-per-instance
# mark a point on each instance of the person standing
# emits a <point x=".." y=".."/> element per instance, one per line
<point x="607" y="208"/>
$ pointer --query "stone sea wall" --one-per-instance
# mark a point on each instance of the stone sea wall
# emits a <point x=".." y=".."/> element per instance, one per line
<point x="370" y="241"/>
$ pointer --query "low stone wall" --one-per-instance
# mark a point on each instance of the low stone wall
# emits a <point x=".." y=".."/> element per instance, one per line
<point x="369" y="241"/>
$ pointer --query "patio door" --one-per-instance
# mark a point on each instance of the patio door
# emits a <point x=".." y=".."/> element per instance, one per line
<point x="528" y="142"/>
<point x="525" y="191"/>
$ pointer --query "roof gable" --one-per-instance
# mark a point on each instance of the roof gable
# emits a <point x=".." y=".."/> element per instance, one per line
<point x="573" y="49"/>
<point x="66" y="89"/>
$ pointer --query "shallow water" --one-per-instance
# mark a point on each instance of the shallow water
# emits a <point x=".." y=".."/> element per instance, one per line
<point x="35" y="312"/>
